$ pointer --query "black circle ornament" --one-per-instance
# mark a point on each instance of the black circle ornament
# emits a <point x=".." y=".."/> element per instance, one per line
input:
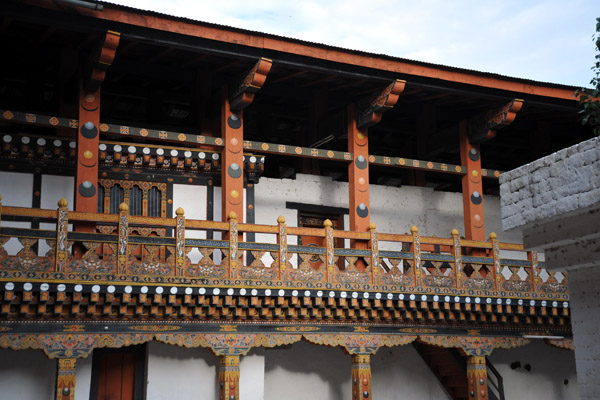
<point x="89" y="130"/>
<point x="362" y="210"/>
<point x="366" y="394"/>
<point x="234" y="121"/>
<point x="86" y="189"/>
<point x="361" y="162"/>
<point x="473" y="154"/>
<point x="66" y="391"/>
<point x="234" y="171"/>
<point x="476" y="198"/>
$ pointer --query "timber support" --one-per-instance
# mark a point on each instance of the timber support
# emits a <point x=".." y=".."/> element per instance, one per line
<point x="361" y="376"/>
<point x="477" y="377"/>
<point x="229" y="378"/>
<point x="65" y="379"/>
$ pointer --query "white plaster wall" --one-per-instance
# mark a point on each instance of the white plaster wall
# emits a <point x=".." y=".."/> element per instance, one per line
<point x="193" y="200"/>
<point x="550" y="367"/>
<point x="26" y="375"/>
<point x="16" y="189"/>
<point x="393" y="210"/>
<point x="252" y="375"/>
<point x="83" y="378"/>
<point x="307" y="371"/>
<point x="400" y="373"/>
<point x="180" y="373"/>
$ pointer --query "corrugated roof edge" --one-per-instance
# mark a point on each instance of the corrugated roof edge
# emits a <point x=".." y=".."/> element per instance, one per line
<point x="342" y="49"/>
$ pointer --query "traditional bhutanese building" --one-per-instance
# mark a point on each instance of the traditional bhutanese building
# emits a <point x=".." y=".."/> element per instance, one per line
<point x="194" y="211"/>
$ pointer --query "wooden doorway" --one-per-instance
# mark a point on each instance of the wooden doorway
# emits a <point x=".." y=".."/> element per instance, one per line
<point x="118" y="374"/>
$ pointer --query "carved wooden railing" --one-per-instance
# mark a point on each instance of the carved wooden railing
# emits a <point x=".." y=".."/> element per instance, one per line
<point x="420" y="265"/>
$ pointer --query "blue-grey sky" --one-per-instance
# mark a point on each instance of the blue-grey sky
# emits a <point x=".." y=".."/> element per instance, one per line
<point x="544" y="40"/>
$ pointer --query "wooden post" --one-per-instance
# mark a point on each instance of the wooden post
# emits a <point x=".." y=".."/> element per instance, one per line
<point x="232" y="166"/>
<point x="477" y="378"/>
<point x="229" y="378"/>
<point x="358" y="175"/>
<point x="361" y="377"/>
<point x="88" y="139"/>
<point x="459" y="273"/>
<point x="179" y="242"/>
<point x="65" y="379"/>
<point x="472" y="188"/>
<point x="416" y="248"/>
<point x="329" y="251"/>
<point x="282" y="242"/>
<point x="62" y="226"/>
<point x="122" y="247"/>
<point x="233" y="245"/>
<point x="375" y="269"/>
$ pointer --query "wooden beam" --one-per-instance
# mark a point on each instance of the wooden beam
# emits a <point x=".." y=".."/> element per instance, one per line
<point x="229" y="377"/>
<point x="361" y="377"/>
<point x="369" y="111"/>
<point x="485" y="126"/>
<point x="232" y="175"/>
<point x="477" y="378"/>
<point x="243" y="95"/>
<point x="101" y="61"/>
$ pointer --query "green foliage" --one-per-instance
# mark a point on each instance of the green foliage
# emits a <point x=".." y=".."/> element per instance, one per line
<point x="589" y="99"/>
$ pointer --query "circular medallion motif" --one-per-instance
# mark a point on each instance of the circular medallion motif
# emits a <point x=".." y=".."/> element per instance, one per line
<point x="181" y="137"/>
<point x="298" y="150"/>
<point x="219" y="142"/>
<point x="8" y="115"/>
<point x="144" y="132"/>
<point x="264" y="146"/>
<point x="53" y="121"/>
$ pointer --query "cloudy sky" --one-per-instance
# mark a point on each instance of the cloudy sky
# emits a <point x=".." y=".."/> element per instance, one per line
<point x="544" y="40"/>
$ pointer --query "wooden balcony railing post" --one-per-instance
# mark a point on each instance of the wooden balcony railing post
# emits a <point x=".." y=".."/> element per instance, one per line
<point x="329" y="249"/>
<point x="282" y="241"/>
<point x="416" y="248"/>
<point x="62" y="225"/>
<point x="179" y="242"/>
<point x="233" y="245"/>
<point x="375" y="269"/>
<point x="0" y="210"/>
<point x="495" y="270"/>
<point x="532" y="256"/>
<point x="122" y="249"/>
<point x="457" y="257"/>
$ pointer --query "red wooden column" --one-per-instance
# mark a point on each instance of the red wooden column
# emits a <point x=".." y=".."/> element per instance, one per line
<point x="361" y="377"/>
<point x="472" y="187"/>
<point x="477" y="378"/>
<point x="472" y="133"/>
<point x="229" y="378"/>
<point x="65" y="379"/>
<point x="360" y="118"/>
<point x="88" y="137"/>
<point x="232" y="174"/>
<point x="232" y="132"/>
<point x="358" y="174"/>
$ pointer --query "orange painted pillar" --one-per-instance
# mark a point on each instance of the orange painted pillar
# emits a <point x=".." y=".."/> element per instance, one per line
<point x="88" y="139"/>
<point x="229" y="378"/>
<point x="358" y="174"/>
<point x="361" y="377"/>
<point x="472" y="187"/>
<point x="477" y="378"/>
<point x="232" y="173"/>
<point x="65" y="379"/>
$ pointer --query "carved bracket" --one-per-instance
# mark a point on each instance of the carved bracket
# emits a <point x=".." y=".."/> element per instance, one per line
<point x="369" y="111"/>
<point x="243" y="95"/>
<point x="358" y="343"/>
<point x="484" y="127"/>
<point x="100" y="61"/>
<point x="474" y="345"/>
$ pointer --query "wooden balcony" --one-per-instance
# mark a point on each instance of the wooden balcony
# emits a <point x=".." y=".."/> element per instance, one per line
<point x="124" y="275"/>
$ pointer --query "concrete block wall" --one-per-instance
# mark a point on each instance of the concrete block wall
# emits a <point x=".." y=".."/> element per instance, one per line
<point x="562" y="182"/>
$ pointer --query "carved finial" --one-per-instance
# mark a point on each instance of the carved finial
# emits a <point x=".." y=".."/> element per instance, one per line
<point x="232" y="215"/>
<point x="454" y="232"/>
<point x="63" y="203"/>
<point x="372" y="226"/>
<point x="493" y="236"/>
<point x="281" y="219"/>
<point x="327" y="223"/>
<point x="179" y="212"/>
<point x="123" y="207"/>
<point x="0" y="197"/>
<point x="414" y="229"/>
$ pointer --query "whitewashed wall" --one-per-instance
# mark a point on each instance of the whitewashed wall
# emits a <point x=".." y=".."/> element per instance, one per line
<point x="30" y="375"/>
<point x="16" y="189"/>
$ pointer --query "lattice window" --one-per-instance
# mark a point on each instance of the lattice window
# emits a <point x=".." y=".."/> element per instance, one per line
<point x="100" y="198"/>
<point x="154" y="202"/>
<point x="116" y="198"/>
<point x="136" y="201"/>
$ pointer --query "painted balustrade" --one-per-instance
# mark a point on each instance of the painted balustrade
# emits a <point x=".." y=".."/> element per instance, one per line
<point x="392" y="263"/>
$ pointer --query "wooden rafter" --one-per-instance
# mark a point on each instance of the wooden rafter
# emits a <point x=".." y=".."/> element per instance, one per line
<point x="485" y="126"/>
<point x="369" y="112"/>
<point x="101" y="61"/>
<point x="243" y="95"/>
